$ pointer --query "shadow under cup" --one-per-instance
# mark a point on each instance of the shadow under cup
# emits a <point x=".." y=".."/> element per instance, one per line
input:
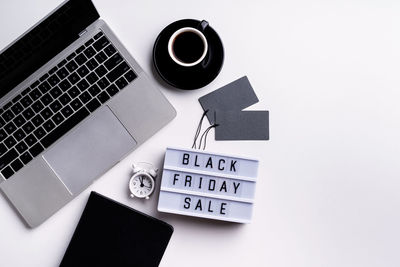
<point x="187" y="47"/>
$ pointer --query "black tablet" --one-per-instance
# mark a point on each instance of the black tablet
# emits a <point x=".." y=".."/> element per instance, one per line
<point x="112" y="234"/>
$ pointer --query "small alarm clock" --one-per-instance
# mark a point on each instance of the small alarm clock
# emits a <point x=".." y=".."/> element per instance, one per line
<point x="142" y="182"/>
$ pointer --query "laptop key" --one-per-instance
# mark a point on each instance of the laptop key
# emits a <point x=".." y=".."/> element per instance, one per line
<point x="37" y="106"/>
<point x="15" y="99"/>
<point x="101" y="43"/>
<point x="110" y="50"/>
<point x="92" y="64"/>
<point x="2" y="122"/>
<point x="80" y="49"/>
<point x="57" y="118"/>
<point x="35" y="94"/>
<point x="73" y="78"/>
<point x="36" y="149"/>
<point x="28" y="127"/>
<point x="98" y="35"/>
<point x="30" y="140"/>
<point x="56" y="92"/>
<point x="54" y="69"/>
<point x="8" y="158"/>
<point x="26" y="158"/>
<point x="103" y="83"/>
<point x="10" y="142"/>
<point x="92" y="78"/>
<point x="8" y="115"/>
<point x="101" y="71"/>
<point x="7" y="106"/>
<point x="28" y="113"/>
<point x="64" y="127"/>
<point x="17" y="108"/>
<point x="121" y="83"/>
<point x="46" y="113"/>
<point x="89" y="42"/>
<point x="46" y="99"/>
<point x="113" y="61"/>
<point x="3" y="135"/>
<point x="64" y="85"/>
<point x="103" y="97"/>
<point x="10" y="127"/>
<point x="3" y="149"/>
<point x="67" y="111"/>
<point x="101" y="57"/>
<point x="112" y="90"/>
<point x="37" y="120"/>
<point x="130" y="76"/>
<point x="83" y="85"/>
<point x="89" y="52"/>
<point x="82" y="71"/>
<point x="33" y="85"/>
<point x="21" y="147"/>
<point x="44" y="87"/>
<point x="44" y="77"/>
<point x="48" y="125"/>
<point x="71" y="56"/>
<point x="64" y="99"/>
<point x="19" y="135"/>
<point x="73" y="92"/>
<point x="62" y="73"/>
<point x="16" y="165"/>
<point x="71" y="66"/>
<point x="55" y="106"/>
<point x="7" y="172"/>
<point x="19" y="121"/>
<point x="80" y="59"/>
<point x="53" y="80"/>
<point x="26" y="101"/>
<point x="94" y="90"/>
<point x="85" y="97"/>
<point x="117" y="72"/>
<point x="39" y="133"/>
<point x="76" y="104"/>
<point x="62" y="63"/>
<point x="93" y="105"/>
<point x="26" y="91"/>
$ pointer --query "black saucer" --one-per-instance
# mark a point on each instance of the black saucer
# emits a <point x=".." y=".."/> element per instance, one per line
<point x="188" y="77"/>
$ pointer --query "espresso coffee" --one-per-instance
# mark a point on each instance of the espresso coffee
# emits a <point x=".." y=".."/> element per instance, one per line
<point x="188" y="47"/>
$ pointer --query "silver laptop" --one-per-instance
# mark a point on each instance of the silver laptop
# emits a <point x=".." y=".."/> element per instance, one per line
<point x="73" y="103"/>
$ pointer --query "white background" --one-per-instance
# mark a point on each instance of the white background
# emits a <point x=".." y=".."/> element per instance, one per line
<point x="328" y="187"/>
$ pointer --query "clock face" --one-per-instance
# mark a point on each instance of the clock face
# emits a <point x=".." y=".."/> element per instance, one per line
<point x="142" y="185"/>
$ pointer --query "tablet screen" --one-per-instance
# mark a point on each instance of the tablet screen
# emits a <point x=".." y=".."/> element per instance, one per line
<point x="112" y="234"/>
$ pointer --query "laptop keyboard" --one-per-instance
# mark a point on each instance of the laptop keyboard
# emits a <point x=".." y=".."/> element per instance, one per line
<point x="59" y="100"/>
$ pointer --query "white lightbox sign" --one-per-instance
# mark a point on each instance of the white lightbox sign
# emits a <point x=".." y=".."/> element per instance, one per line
<point x="208" y="185"/>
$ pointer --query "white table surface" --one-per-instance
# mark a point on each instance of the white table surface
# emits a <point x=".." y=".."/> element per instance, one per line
<point x="329" y="178"/>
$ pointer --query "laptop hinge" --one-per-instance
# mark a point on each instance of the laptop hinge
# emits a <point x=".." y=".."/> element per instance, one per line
<point x="82" y="33"/>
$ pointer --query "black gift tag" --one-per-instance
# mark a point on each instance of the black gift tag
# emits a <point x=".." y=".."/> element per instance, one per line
<point x="234" y="96"/>
<point x="242" y="125"/>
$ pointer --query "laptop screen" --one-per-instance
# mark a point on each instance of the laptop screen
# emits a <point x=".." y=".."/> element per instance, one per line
<point x="44" y="41"/>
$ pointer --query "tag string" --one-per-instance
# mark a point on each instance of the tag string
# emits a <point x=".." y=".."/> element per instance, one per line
<point x="199" y="129"/>
<point x="205" y="133"/>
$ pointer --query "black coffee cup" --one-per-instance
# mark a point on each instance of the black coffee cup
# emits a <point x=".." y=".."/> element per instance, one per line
<point x="188" y="46"/>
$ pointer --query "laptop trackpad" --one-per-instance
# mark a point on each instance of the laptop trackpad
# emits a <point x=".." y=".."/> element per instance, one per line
<point x="90" y="150"/>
